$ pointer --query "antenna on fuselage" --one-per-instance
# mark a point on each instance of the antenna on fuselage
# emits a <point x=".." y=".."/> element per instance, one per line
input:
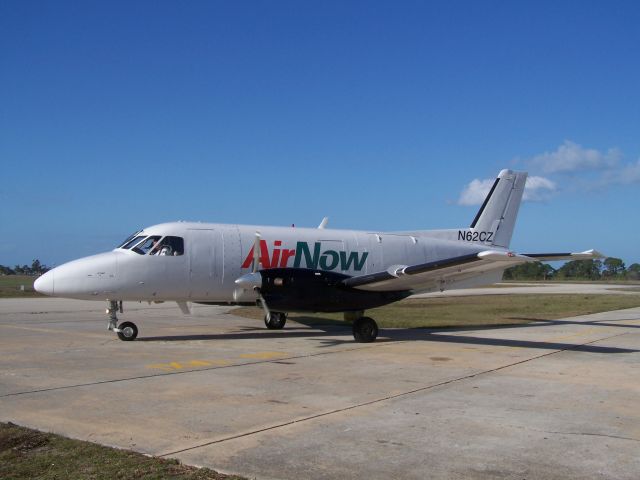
<point x="323" y="223"/>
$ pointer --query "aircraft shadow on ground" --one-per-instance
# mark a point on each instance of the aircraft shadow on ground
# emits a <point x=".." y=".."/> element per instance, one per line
<point x="334" y="329"/>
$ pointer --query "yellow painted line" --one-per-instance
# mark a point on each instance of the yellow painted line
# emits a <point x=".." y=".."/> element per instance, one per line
<point x="199" y="363"/>
<point x="160" y="366"/>
<point x="264" y="355"/>
<point x="173" y="366"/>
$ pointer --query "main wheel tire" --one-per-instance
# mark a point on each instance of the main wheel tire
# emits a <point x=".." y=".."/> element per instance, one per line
<point x="275" y="321"/>
<point x="365" y="330"/>
<point x="128" y="331"/>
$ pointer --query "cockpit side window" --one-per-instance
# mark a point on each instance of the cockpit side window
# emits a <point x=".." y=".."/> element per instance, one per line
<point x="177" y="245"/>
<point x="171" y="246"/>
<point x="147" y="245"/>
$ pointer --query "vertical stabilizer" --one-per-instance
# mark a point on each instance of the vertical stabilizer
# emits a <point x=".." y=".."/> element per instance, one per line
<point x="497" y="216"/>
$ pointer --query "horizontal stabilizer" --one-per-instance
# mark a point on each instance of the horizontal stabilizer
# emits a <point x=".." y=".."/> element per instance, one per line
<point x="551" y="257"/>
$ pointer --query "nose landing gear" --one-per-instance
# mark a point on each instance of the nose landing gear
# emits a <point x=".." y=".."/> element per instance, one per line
<point x="275" y="320"/>
<point x="126" y="331"/>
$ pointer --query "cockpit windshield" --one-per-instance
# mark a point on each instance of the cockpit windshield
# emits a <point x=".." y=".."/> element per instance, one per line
<point x="133" y="241"/>
<point x="129" y="238"/>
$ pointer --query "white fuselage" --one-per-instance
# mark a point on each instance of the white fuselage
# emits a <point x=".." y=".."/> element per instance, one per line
<point x="213" y="256"/>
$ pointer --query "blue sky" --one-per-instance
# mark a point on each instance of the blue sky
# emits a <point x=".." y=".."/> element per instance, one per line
<point x="380" y="115"/>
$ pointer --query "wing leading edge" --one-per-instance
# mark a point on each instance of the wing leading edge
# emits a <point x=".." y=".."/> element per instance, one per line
<point x="417" y="277"/>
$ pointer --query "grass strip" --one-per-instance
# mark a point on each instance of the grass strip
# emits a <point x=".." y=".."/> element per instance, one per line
<point x="16" y="286"/>
<point x="27" y="454"/>
<point x="481" y="310"/>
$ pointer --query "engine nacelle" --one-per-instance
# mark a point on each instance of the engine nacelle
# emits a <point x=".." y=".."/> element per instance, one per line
<point x="297" y="289"/>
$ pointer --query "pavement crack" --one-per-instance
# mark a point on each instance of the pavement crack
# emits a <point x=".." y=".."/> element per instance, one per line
<point x="195" y="370"/>
<point x="591" y="434"/>
<point x="384" y="399"/>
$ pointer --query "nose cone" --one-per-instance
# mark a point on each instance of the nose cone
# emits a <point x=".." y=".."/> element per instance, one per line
<point x="89" y="278"/>
<point x="45" y="283"/>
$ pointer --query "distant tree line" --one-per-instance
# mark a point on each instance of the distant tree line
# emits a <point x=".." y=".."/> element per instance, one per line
<point x="610" y="268"/>
<point x="35" y="269"/>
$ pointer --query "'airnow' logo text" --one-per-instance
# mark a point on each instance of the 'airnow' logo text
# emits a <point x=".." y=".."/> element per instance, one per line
<point x="316" y="259"/>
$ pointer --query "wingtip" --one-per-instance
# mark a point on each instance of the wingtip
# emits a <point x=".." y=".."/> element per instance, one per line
<point x="593" y="253"/>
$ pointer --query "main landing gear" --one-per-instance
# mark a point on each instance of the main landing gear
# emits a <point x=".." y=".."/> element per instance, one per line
<point x="365" y="329"/>
<point x="275" y="320"/>
<point x="126" y="331"/>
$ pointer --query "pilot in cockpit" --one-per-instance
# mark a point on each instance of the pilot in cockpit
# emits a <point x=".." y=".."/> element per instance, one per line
<point x="161" y="248"/>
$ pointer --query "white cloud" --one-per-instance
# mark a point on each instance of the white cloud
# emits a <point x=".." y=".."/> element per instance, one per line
<point x="627" y="175"/>
<point x="577" y="169"/>
<point x="536" y="189"/>
<point x="571" y="157"/>
<point x="631" y="173"/>
<point x="475" y="192"/>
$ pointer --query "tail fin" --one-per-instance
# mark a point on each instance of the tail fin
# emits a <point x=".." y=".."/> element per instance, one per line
<point x="497" y="216"/>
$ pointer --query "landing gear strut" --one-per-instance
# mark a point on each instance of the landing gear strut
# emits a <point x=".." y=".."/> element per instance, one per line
<point x="275" y="320"/>
<point x="126" y="331"/>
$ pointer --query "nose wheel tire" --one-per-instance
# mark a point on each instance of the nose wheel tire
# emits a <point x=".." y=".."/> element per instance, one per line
<point x="365" y="330"/>
<point x="275" y="321"/>
<point x="127" y="331"/>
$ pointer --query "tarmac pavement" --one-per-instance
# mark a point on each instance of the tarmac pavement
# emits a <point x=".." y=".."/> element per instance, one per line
<point x="556" y="399"/>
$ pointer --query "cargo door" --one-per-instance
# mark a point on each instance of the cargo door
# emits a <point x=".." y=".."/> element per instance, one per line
<point x="399" y="250"/>
<point x="230" y="264"/>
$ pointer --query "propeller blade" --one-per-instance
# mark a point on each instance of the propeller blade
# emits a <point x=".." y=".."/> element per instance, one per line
<point x="256" y="253"/>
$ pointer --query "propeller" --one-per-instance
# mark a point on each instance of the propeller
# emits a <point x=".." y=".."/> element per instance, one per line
<point x="256" y="253"/>
<point x="253" y="280"/>
<point x="256" y="265"/>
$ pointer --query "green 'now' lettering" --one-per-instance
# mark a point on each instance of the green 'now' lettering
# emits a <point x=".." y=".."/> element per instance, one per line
<point x="329" y="259"/>
<point x="302" y="248"/>
<point x="358" y="262"/>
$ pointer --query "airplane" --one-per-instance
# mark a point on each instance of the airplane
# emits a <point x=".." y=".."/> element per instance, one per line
<point x="289" y="269"/>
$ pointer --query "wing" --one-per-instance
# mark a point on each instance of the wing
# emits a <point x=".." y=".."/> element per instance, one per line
<point x="425" y="275"/>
